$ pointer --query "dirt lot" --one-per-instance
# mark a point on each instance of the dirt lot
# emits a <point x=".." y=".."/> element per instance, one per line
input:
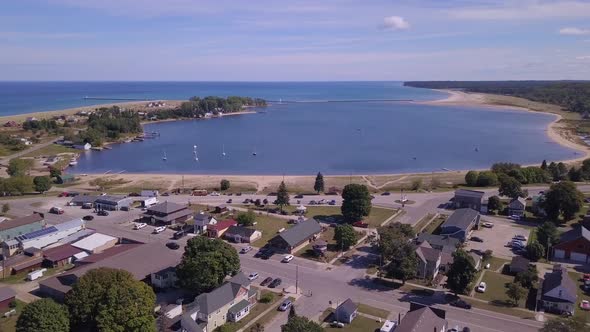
<point x="496" y="238"/>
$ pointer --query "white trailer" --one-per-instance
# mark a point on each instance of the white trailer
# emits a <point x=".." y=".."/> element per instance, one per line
<point x="35" y="274"/>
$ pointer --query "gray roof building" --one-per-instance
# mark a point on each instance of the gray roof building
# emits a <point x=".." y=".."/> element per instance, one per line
<point x="83" y="199"/>
<point x="297" y="235"/>
<point x="444" y="243"/>
<point x="167" y="213"/>
<point x="558" y="279"/>
<point x="460" y="223"/>
<point x="6" y="293"/>
<point x="346" y="311"/>
<point x="422" y="318"/>
<point x="519" y="264"/>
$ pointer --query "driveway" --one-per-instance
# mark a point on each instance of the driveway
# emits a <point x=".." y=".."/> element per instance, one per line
<point x="496" y="238"/>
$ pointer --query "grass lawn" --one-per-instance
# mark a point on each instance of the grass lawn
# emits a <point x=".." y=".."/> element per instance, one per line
<point x="434" y="226"/>
<point x="507" y="310"/>
<point x="333" y="250"/>
<point x="496" y="263"/>
<point x="254" y="312"/>
<point x="51" y="150"/>
<point x="581" y="296"/>
<point x="423" y="222"/>
<point x="269" y="226"/>
<point x="21" y="277"/>
<point x="367" y="309"/>
<point x="496" y="289"/>
<point x="9" y="324"/>
<point x="359" y="324"/>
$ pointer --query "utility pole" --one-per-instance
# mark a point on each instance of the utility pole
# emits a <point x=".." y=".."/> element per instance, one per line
<point x="296" y="279"/>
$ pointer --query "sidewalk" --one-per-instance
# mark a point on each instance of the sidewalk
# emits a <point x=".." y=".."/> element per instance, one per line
<point x="253" y="321"/>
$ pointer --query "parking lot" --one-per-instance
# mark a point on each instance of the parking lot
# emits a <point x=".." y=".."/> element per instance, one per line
<point x="496" y="238"/>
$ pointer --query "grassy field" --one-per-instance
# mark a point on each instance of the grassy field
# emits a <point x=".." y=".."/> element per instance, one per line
<point x="20" y="277"/>
<point x="50" y="150"/>
<point x="269" y="226"/>
<point x="367" y="309"/>
<point x="254" y="312"/>
<point x="496" y="263"/>
<point x="434" y="226"/>
<point x="496" y="289"/>
<point x="9" y="324"/>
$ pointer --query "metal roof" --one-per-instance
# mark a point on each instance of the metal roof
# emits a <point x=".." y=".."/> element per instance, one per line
<point x="300" y="232"/>
<point x="36" y="234"/>
<point x="93" y="241"/>
<point x="469" y="193"/>
<point x="166" y="207"/>
<point x="17" y="222"/>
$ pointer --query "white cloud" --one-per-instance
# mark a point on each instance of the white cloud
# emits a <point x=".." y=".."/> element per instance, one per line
<point x="574" y="31"/>
<point x="583" y="57"/>
<point x="395" y="23"/>
<point x="524" y="9"/>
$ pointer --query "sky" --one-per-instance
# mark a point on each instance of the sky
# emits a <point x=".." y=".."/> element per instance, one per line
<point x="297" y="40"/>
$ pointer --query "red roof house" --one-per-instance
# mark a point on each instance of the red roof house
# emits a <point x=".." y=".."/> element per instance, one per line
<point x="217" y="230"/>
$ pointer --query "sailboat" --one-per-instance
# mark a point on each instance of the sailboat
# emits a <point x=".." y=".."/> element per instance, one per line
<point x="254" y="153"/>
<point x="223" y="150"/>
<point x="164" y="157"/>
<point x="476" y="149"/>
<point x="195" y="152"/>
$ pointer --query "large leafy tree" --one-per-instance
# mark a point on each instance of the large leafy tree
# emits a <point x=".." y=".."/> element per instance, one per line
<point x="43" y="315"/>
<point x="461" y="272"/>
<point x="246" y="218"/>
<point x="563" y="199"/>
<point x="391" y="237"/>
<point x="224" y="185"/>
<point x="318" y="186"/>
<point x="345" y="236"/>
<point x="471" y="178"/>
<point x="547" y="234"/>
<point x="535" y="250"/>
<point x="494" y="203"/>
<point x="487" y="179"/>
<point x="356" y="202"/>
<point x="205" y="264"/>
<point x="299" y="324"/>
<point x="528" y="278"/>
<point x="510" y="187"/>
<point x="282" y="196"/>
<point x="42" y="183"/>
<point x="560" y="324"/>
<point x="19" y="167"/>
<point x="404" y="262"/>
<point x="515" y="292"/>
<point x="106" y="299"/>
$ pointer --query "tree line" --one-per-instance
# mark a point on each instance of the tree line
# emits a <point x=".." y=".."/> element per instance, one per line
<point x="573" y="96"/>
<point x="197" y="107"/>
<point x="107" y="124"/>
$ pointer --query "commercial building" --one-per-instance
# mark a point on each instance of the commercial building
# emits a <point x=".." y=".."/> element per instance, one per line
<point x="96" y="243"/>
<point x="7" y="295"/>
<point x="9" y="229"/>
<point x="465" y="198"/>
<point x="60" y="256"/>
<point x="297" y="237"/>
<point x="167" y="213"/>
<point x="112" y="203"/>
<point x="460" y="223"/>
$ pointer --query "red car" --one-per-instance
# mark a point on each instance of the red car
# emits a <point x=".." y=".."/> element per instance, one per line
<point x="360" y="224"/>
<point x="586" y="276"/>
<point x="63" y="194"/>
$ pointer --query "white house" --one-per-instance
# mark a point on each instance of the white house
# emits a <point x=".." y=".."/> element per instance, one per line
<point x="85" y="146"/>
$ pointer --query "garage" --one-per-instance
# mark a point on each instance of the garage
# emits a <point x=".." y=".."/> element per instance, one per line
<point x="578" y="257"/>
<point x="559" y="253"/>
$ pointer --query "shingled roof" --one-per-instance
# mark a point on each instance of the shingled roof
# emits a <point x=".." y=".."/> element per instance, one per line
<point x="461" y="218"/>
<point x="17" y="222"/>
<point x="300" y="232"/>
<point x="166" y="207"/>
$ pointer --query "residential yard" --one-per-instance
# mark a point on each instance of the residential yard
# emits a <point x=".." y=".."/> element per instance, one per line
<point x="367" y="309"/>
<point x="21" y="277"/>
<point x="359" y="324"/>
<point x="269" y="226"/>
<point x="576" y="277"/>
<point x="333" y="250"/>
<point x="423" y="222"/>
<point x="434" y="226"/>
<point x="254" y="312"/>
<point x="496" y="289"/>
<point x="496" y="263"/>
<point x="8" y="324"/>
<point x="51" y="150"/>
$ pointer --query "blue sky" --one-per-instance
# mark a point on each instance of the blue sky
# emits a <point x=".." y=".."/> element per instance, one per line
<point x="272" y="40"/>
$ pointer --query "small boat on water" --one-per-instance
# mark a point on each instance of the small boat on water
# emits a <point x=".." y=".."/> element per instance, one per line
<point x="195" y="153"/>
<point x="223" y="150"/>
<point x="164" y="157"/>
<point x="476" y="149"/>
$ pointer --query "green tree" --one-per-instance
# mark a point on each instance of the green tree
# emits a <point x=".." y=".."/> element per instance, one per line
<point x="544" y="164"/>
<point x="257" y="327"/>
<point x="224" y="185"/>
<point x="563" y="199"/>
<point x="528" y="278"/>
<point x="547" y="235"/>
<point x="494" y="203"/>
<point x="461" y="272"/>
<point x="391" y="237"/>
<point x="318" y="186"/>
<point x="535" y="251"/>
<point x="43" y="315"/>
<point x="54" y="172"/>
<point x="510" y="187"/>
<point x="404" y="262"/>
<point x="42" y="183"/>
<point x="515" y="292"/>
<point x="487" y="255"/>
<point x="5" y="207"/>
<point x="299" y="324"/>
<point x="487" y="179"/>
<point x="345" y="236"/>
<point x="282" y="196"/>
<point x="575" y="174"/>
<point x="106" y="299"/>
<point x="246" y="218"/>
<point x="205" y="264"/>
<point x="356" y="202"/>
<point x="561" y="324"/>
<point x="471" y="178"/>
<point x="19" y="167"/>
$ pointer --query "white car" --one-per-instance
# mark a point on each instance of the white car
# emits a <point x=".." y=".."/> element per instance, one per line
<point x="487" y="266"/>
<point x="287" y="258"/>
<point x="253" y="276"/>
<point x="481" y="287"/>
<point x="139" y="225"/>
<point x="214" y="194"/>
<point x="520" y="237"/>
<point x="246" y="249"/>
<point x="488" y="224"/>
<point x="159" y="229"/>
<point x="514" y="217"/>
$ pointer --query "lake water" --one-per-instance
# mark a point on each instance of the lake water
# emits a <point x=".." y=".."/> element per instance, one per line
<point x="304" y="138"/>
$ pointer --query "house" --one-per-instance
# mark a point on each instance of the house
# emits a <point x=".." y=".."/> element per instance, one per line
<point x="7" y="295"/>
<point x="112" y="203"/>
<point x="27" y="261"/>
<point x="559" y="292"/>
<point x="229" y="302"/>
<point x="217" y="230"/>
<point x="517" y="207"/>
<point x="471" y="199"/>
<point x="346" y="311"/>
<point x="60" y="256"/>
<point x="241" y="234"/>
<point x="9" y="229"/>
<point x="573" y="245"/>
<point x="519" y="264"/>
<point x="460" y="223"/>
<point x="65" y="178"/>
<point x="172" y="310"/>
<point x="84" y="146"/>
<point x="167" y="213"/>
<point x="11" y="124"/>
<point x="221" y="208"/>
<point x="202" y="221"/>
<point x="423" y="318"/>
<point x="429" y="260"/>
<point x="443" y="243"/>
<point x="297" y="237"/>
<point x="165" y="278"/>
<point x="96" y="243"/>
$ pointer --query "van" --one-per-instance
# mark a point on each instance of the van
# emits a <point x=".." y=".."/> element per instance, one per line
<point x="160" y="229"/>
<point x="178" y="235"/>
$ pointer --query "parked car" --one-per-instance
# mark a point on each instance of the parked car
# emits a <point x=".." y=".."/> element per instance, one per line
<point x="275" y="283"/>
<point x="585" y="305"/>
<point x="332" y="202"/>
<point x="287" y="258"/>
<point x="337" y="324"/>
<point x="102" y="213"/>
<point x="166" y="194"/>
<point x="253" y="276"/>
<point x="520" y="237"/>
<point x="461" y="304"/>
<point x="487" y="224"/>
<point x="387" y="193"/>
<point x="245" y="250"/>
<point x="481" y="288"/>
<point x="214" y="194"/>
<point x="56" y="210"/>
<point x="299" y="196"/>
<point x="178" y="235"/>
<point x="229" y="201"/>
<point x="360" y="224"/>
<point x="87" y="206"/>
<point x="63" y="194"/>
<point x="88" y="218"/>
<point x="139" y="225"/>
<point x="246" y="201"/>
<point x="173" y="245"/>
<point x="266" y="281"/>
<point x="267" y="254"/>
<point x="476" y="239"/>
<point x="312" y="202"/>
<point x="454" y="329"/>
<point x="514" y="217"/>
<point x="159" y="229"/>
<point x="238" y="194"/>
<point x="285" y="305"/>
